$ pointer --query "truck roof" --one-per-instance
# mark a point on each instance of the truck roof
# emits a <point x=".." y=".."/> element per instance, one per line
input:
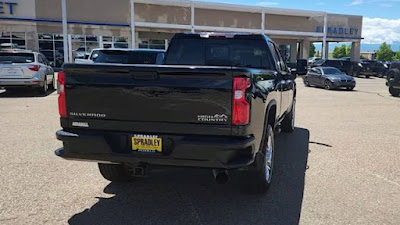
<point x="222" y="35"/>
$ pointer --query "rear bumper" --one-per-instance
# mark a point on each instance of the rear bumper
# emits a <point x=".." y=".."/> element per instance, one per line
<point x="33" y="82"/>
<point x="187" y="151"/>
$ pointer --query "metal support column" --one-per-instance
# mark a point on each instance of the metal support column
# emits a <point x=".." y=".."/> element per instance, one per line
<point x="192" y="16"/>
<point x="263" y="21"/>
<point x="133" y="32"/>
<point x="324" y="44"/>
<point x="65" y="29"/>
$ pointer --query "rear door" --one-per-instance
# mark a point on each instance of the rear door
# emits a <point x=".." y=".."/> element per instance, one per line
<point x="286" y="81"/>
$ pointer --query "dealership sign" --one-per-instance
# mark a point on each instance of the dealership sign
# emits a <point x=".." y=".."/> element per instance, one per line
<point x="7" y="7"/>
<point x="339" y="31"/>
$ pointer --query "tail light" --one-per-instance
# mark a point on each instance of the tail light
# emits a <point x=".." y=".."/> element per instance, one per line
<point x="34" y="68"/>
<point x="241" y="108"/>
<point x="62" y="101"/>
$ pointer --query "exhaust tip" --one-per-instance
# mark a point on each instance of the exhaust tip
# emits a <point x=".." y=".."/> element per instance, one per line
<point x="221" y="176"/>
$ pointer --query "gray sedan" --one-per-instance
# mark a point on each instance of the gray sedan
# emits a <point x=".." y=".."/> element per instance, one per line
<point x="329" y="78"/>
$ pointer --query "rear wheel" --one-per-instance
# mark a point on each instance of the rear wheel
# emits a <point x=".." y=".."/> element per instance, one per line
<point x="45" y="88"/>
<point x="51" y="86"/>
<point x="306" y="82"/>
<point x="328" y="85"/>
<point x="261" y="176"/>
<point x="394" y="92"/>
<point x="115" y="172"/>
<point x="287" y="124"/>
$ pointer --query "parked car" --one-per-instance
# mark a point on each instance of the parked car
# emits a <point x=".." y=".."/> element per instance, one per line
<point x="342" y="65"/>
<point x="82" y="52"/>
<point x="7" y="46"/>
<point x="313" y="60"/>
<point x="378" y="68"/>
<point x="125" y="56"/>
<point x="216" y="104"/>
<point x="394" y="79"/>
<point x="329" y="78"/>
<point x="49" y="54"/>
<point x="25" y="69"/>
<point x="365" y="68"/>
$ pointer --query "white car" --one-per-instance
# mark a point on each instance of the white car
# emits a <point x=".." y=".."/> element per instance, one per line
<point x="124" y="56"/>
<point x="22" y="68"/>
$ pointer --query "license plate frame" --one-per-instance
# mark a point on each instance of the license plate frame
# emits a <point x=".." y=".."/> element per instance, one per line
<point x="10" y="71"/>
<point x="146" y="143"/>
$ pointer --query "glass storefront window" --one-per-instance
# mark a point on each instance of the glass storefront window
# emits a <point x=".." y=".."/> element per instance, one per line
<point x="51" y="46"/>
<point x="152" y="44"/>
<point x="13" y="40"/>
<point x="115" y="42"/>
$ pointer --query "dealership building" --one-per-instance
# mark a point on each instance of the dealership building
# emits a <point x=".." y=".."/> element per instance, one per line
<point x="64" y="27"/>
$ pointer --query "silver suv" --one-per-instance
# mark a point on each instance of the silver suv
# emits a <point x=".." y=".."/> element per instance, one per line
<point x="22" y="68"/>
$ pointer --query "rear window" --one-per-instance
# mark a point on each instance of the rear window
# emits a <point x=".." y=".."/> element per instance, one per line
<point x="219" y="52"/>
<point x="125" y="57"/>
<point x="16" y="58"/>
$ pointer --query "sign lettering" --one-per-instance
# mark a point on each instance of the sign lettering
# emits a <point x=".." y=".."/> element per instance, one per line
<point x="339" y="30"/>
<point x="7" y="7"/>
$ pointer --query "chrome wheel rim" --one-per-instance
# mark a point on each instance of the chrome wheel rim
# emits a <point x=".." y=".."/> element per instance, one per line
<point x="269" y="154"/>
<point x="327" y="85"/>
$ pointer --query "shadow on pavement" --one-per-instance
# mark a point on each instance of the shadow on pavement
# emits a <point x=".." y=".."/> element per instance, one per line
<point x="190" y="196"/>
<point x="23" y="93"/>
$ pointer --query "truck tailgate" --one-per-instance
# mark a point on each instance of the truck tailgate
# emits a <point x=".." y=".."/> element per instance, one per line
<point x="149" y="94"/>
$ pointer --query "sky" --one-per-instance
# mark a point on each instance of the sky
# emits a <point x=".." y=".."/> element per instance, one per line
<point x="381" y="17"/>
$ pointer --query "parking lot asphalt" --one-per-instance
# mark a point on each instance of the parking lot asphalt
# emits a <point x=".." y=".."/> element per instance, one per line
<point x="340" y="166"/>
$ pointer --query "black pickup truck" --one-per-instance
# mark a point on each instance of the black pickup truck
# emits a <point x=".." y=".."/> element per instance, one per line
<point x="215" y="103"/>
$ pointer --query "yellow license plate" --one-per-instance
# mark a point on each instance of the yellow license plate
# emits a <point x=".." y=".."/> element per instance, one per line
<point x="146" y="143"/>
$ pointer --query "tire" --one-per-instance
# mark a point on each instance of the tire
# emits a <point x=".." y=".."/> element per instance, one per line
<point x="350" y="88"/>
<point x="287" y="124"/>
<point x="45" y="88"/>
<point x="394" y="92"/>
<point x="114" y="172"/>
<point x="51" y="86"/>
<point x="328" y="85"/>
<point x="367" y="76"/>
<point x="261" y="175"/>
<point x="306" y="82"/>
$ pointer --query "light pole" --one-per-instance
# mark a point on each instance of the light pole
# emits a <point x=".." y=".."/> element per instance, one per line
<point x="65" y="29"/>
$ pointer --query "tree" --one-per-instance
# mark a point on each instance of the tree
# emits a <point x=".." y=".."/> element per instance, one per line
<point x="339" y="52"/>
<point x="384" y="53"/>
<point x="318" y="54"/>
<point x="348" y="50"/>
<point x="397" y="56"/>
<point x="312" y="50"/>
